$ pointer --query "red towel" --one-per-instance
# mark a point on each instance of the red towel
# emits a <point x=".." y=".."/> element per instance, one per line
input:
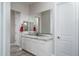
<point x="34" y="28"/>
<point x="21" y="29"/>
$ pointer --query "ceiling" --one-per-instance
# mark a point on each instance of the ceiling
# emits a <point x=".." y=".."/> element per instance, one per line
<point x="24" y="3"/>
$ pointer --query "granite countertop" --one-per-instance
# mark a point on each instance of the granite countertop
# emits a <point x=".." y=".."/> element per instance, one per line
<point x="45" y="37"/>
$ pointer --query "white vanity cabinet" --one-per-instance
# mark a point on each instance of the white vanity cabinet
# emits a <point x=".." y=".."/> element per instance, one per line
<point x="38" y="47"/>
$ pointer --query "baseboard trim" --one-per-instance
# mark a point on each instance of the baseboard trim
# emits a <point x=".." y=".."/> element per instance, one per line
<point x="28" y="52"/>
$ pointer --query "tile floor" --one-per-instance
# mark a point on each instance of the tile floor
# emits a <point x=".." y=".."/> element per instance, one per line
<point x="15" y="51"/>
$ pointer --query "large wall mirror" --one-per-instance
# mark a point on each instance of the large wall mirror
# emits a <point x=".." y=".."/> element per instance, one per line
<point x="41" y="22"/>
<point x="28" y="25"/>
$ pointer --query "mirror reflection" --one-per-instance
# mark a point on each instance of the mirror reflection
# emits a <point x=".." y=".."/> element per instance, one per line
<point x="39" y="23"/>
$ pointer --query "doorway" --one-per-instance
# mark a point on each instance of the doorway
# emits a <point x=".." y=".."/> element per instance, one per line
<point x="14" y="42"/>
<point x="15" y="18"/>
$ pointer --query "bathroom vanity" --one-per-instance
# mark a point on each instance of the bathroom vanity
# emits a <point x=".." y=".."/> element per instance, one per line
<point x="41" y="45"/>
<point x="38" y="44"/>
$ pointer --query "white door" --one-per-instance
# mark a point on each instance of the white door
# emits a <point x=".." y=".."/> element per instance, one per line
<point x="65" y="30"/>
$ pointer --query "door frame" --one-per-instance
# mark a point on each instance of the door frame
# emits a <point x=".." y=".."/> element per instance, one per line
<point x="5" y="28"/>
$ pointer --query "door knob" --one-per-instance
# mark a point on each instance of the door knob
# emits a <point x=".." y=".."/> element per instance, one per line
<point x="58" y="37"/>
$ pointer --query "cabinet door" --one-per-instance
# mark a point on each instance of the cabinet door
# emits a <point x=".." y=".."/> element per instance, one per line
<point x="37" y="47"/>
<point x="23" y="45"/>
<point x="31" y="45"/>
<point x="65" y="29"/>
<point x="45" y="48"/>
